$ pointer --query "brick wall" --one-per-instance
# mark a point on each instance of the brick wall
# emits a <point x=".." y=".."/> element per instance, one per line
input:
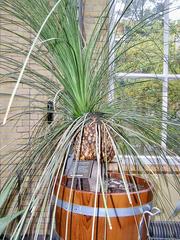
<point x="92" y="10"/>
<point x="15" y="133"/>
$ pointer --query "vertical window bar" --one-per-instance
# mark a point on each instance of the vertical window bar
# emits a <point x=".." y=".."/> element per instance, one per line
<point x="112" y="21"/>
<point x="81" y="17"/>
<point x="165" y="78"/>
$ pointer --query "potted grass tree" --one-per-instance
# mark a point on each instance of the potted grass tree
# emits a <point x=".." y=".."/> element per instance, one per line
<point x="69" y="158"/>
<point x="5" y="220"/>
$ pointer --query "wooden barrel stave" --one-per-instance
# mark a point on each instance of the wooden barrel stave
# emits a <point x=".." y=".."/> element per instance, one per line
<point x="80" y="225"/>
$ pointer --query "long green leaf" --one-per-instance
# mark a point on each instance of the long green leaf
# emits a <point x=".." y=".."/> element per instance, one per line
<point x="5" y="221"/>
<point x="26" y="61"/>
<point x="6" y="191"/>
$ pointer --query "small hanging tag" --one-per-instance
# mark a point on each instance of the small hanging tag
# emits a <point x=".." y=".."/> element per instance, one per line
<point x="83" y="169"/>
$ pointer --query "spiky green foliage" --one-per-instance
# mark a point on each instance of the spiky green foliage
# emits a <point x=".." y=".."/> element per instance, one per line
<point x="5" y="220"/>
<point x="79" y="88"/>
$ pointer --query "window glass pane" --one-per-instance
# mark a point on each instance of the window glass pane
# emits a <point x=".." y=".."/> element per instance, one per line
<point x="174" y="112"/>
<point x="143" y="99"/>
<point x="174" y="47"/>
<point x="140" y="35"/>
<point x="174" y="68"/>
<point x="142" y="93"/>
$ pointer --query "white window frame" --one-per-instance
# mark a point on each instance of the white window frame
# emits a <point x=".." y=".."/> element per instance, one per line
<point x="165" y="76"/>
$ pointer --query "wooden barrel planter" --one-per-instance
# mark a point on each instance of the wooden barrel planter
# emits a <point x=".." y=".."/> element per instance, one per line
<point x="125" y="219"/>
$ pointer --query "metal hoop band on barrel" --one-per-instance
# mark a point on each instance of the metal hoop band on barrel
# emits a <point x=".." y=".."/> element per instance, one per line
<point x="101" y="212"/>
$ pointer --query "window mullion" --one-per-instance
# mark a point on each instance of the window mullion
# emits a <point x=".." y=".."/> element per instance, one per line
<point x="165" y="79"/>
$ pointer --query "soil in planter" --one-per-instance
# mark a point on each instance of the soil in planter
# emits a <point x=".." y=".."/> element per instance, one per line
<point x="118" y="186"/>
<point x="111" y="185"/>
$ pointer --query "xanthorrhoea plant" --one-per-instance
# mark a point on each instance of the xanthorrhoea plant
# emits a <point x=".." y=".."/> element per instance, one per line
<point x="79" y="88"/>
<point x="5" y="220"/>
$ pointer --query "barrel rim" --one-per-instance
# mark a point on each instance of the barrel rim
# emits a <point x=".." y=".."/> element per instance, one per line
<point x="147" y="189"/>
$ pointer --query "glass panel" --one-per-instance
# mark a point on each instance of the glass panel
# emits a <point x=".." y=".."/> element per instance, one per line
<point x="174" y="68"/>
<point x="174" y="112"/>
<point x="140" y="35"/>
<point x="142" y="99"/>
<point x="174" y="47"/>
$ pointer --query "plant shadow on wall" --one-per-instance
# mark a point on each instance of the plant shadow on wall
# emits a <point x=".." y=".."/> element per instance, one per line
<point x="87" y="128"/>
